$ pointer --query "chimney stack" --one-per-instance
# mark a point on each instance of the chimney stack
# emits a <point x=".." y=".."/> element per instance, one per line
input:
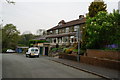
<point x="81" y="16"/>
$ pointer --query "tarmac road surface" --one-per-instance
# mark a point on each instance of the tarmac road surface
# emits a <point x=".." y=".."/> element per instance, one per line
<point x="18" y="66"/>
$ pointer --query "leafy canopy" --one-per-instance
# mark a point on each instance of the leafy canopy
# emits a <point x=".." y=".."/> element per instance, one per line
<point x="96" y="7"/>
<point x="103" y="29"/>
<point x="10" y="36"/>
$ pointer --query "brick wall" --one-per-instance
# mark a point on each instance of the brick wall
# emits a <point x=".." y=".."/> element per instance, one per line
<point x="115" y="55"/>
<point x="100" y="62"/>
<point x="68" y="56"/>
<point x="93" y="61"/>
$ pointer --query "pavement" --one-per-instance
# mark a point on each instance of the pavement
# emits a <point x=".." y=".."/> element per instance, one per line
<point x="107" y="73"/>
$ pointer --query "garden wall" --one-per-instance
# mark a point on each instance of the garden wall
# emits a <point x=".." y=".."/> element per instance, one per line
<point x="100" y="62"/>
<point x="115" y="55"/>
<point x="93" y="61"/>
<point x="68" y="56"/>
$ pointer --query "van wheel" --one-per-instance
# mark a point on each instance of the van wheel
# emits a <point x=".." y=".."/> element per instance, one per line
<point x="38" y="56"/>
<point x="26" y="55"/>
<point x="29" y="56"/>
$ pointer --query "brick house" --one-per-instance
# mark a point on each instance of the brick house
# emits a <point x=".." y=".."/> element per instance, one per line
<point x="65" y="32"/>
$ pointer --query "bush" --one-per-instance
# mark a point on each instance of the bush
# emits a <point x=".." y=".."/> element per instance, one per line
<point x="75" y="45"/>
<point x="4" y="50"/>
<point x="82" y="52"/>
<point x="54" y="49"/>
<point x="69" y="51"/>
<point x="64" y="49"/>
<point x="75" y="50"/>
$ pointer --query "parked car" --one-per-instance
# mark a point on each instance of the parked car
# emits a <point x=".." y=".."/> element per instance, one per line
<point x="32" y="52"/>
<point x="10" y="51"/>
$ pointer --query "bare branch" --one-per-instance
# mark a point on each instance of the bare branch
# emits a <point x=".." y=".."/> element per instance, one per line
<point x="10" y="2"/>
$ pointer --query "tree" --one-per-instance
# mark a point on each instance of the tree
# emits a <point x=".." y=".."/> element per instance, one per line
<point x="95" y="7"/>
<point x="44" y="32"/>
<point x="115" y="18"/>
<point x="10" y="36"/>
<point x="40" y="31"/>
<point x="10" y="2"/>
<point x="102" y="30"/>
<point x="24" y="39"/>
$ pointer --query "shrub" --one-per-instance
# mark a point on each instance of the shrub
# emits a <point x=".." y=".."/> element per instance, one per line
<point x="82" y="52"/>
<point x="69" y="51"/>
<point x="54" y="49"/>
<point x="64" y="49"/>
<point x="75" y="50"/>
<point x="4" y="50"/>
<point x="75" y="45"/>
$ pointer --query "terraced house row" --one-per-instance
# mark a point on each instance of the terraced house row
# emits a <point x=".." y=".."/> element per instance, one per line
<point x="65" y="32"/>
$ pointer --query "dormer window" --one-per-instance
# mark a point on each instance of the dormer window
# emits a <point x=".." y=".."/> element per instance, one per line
<point x="59" y="24"/>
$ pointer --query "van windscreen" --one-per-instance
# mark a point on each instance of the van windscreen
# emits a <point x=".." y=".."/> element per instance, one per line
<point x="32" y="49"/>
<point x="36" y="49"/>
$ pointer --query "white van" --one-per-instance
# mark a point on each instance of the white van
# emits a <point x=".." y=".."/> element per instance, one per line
<point x="33" y="51"/>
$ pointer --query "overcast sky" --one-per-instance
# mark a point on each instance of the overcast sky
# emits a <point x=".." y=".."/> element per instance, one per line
<point x="31" y="15"/>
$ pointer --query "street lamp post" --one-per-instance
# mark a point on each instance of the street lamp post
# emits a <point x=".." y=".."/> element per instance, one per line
<point x="78" y="34"/>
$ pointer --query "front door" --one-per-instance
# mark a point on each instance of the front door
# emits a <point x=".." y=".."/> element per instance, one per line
<point x="46" y="51"/>
<point x="41" y="50"/>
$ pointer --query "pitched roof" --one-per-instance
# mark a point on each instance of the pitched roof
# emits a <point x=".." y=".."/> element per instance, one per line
<point x="70" y="23"/>
<point x="61" y="35"/>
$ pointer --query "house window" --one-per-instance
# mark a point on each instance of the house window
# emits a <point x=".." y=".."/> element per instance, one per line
<point x="66" y="39"/>
<point x="54" y="40"/>
<point x="53" y="32"/>
<point x="76" y="28"/>
<point x="71" y="29"/>
<point x="59" y="24"/>
<point x="50" y="40"/>
<point x="57" y="31"/>
<point x="59" y="40"/>
<point x="67" y="30"/>
<point x="71" y="39"/>
<point x="60" y="30"/>
<point x="50" y="32"/>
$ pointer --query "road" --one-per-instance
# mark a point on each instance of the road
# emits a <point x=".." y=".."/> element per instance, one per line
<point x="18" y="66"/>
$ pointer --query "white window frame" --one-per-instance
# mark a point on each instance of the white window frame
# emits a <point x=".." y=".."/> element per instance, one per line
<point x="67" y="30"/>
<point x="76" y="28"/>
<point x="51" y="32"/>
